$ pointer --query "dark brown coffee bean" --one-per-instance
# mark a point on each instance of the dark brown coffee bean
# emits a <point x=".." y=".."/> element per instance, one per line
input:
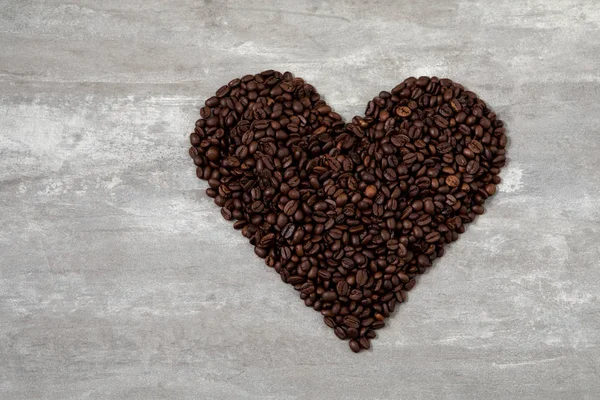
<point x="409" y="158"/>
<point x="212" y="102"/>
<point x="352" y="333"/>
<point x="444" y="147"/>
<point x="329" y="296"/>
<point x="351" y="321"/>
<point x="441" y="121"/>
<point x="341" y="200"/>
<point x="428" y="206"/>
<point x="340" y="332"/>
<point x="475" y="146"/>
<point x="354" y="346"/>
<point x="361" y="277"/>
<point x="355" y="295"/>
<point x="328" y="320"/>
<point x="364" y="343"/>
<point x="223" y="90"/>
<point x="378" y="325"/>
<point x="336" y="233"/>
<point x="226" y="213"/>
<point x="213" y="154"/>
<point x="294" y="280"/>
<point x="455" y="104"/>
<point x="423" y="220"/>
<point x="261" y="252"/>
<point x="343" y="288"/>
<point x="423" y="260"/>
<point x="432" y="237"/>
<point x="290" y="207"/>
<point x="472" y="167"/>
<point x="367" y="322"/>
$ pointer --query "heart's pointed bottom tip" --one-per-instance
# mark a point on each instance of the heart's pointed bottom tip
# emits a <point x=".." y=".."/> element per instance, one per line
<point x="349" y="214"/>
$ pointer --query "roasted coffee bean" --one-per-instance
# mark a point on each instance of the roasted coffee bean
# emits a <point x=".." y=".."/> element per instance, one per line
<point x="351" y="321"/>
<point x="340" y="332"/>
<point x="403" y="111"/>
<point x="371" y="191"/>
<point x="389" y="174"/>
<point x="348" y="214"/>
<point x="444" y="147"/>
<point x="432" y="237"/>
<point x="343" y="288"/>
<point x="475" y="146"/>
<point x="364" y="343"/>
<point x="362" y="277"/>
<point x="452" y="181"/>
<point x="290" y="207"/>
<point x="490" y="189"/>
<point x="328" y="320"/>
<point x="329" y="296"/>
<point x="354" y="346"/>
<point x="472" y="167"/>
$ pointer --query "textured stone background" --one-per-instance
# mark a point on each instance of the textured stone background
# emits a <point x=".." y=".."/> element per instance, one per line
<point x="120" y="280"/>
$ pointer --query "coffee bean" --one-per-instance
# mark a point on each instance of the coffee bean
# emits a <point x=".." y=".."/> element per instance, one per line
<point x="378" y="325"/>
<point x="348" y="214"/>
<point x="355" y="295"/>
<point x="452" y="181"/>
<point x="403" y="111"/>
<point x="354" y="346"/>
<point x="409" y="158"/>
<point x="455" y="104"/>
<point x="432" y="237"/>
<point x="444" y="147"/>
<point x="213" y="154"/>
<point x="290" y="207"/>
<point x="428" y="206"/>
<point x="329" y="296"/>
<point x="352" y="333"/>
<point x="340" y="332"/>
<point x="351" y="321"/>
<point x="423" y="260"/>
<point x="341" y="200"/>
<point x="361" y="277"/>
<point x="212" y="102"/>
<point x="261" y="252"/>
<point x="475" y="146"/>
<point x="328" y="320"/>
<point x="441" y="121"/>
<point x="423" y="220"/>
<point x="478" y="209"/>
<point x="364" y="343"/>
<point x="223" y="90"/>
<point x="389" y="174"/>
<point x="371" y="191"/>
<point x="226" y="213"/>
<point x="342" y="288"/>
<point x="472" y="167"/>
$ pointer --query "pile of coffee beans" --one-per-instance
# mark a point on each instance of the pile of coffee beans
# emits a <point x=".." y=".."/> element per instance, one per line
<point x="348" y="213"/>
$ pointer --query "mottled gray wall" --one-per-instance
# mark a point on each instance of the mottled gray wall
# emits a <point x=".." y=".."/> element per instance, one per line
<point x="120" y="280"/>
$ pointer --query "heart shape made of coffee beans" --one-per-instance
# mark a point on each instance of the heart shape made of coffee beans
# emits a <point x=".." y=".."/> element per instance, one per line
<point x="348" y="213"/>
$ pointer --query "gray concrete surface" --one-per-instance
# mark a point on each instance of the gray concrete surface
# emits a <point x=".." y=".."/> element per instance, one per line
<point x="120" y="280"/>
